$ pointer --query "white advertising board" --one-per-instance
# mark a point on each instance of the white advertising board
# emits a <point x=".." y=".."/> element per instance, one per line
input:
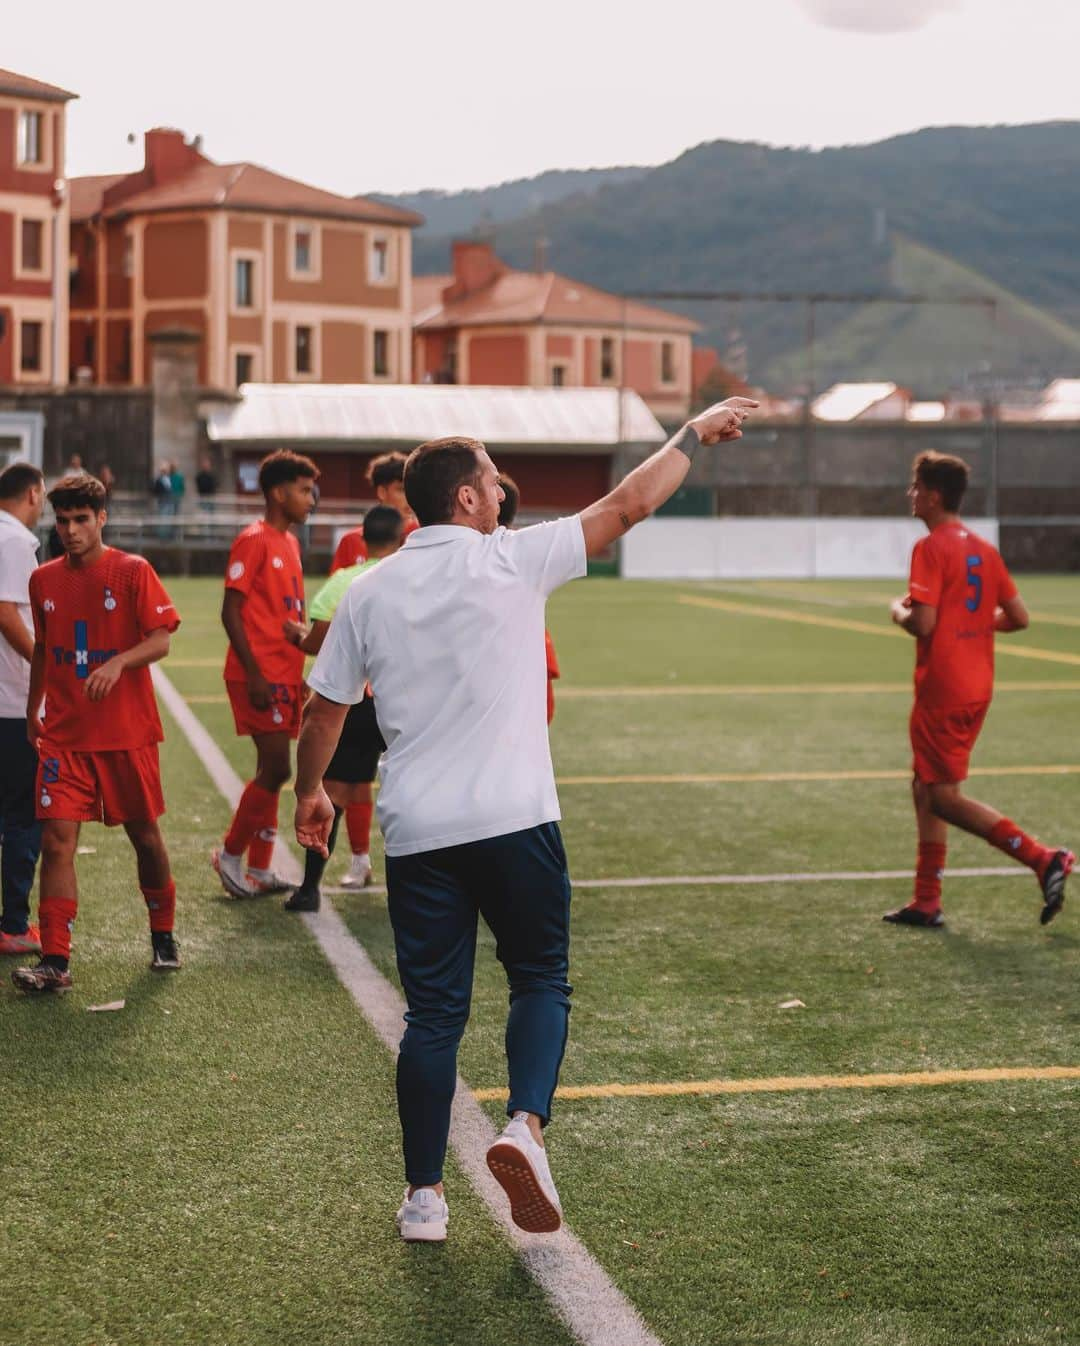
<point x="699" y="549"/>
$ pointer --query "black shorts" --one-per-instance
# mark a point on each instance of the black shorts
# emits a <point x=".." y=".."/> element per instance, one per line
<point x="356" y="759"/>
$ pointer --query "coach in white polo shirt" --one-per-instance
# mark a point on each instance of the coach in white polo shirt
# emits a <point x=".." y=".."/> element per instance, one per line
<point x="22" y="498"/>
<point x="449" y="632"/>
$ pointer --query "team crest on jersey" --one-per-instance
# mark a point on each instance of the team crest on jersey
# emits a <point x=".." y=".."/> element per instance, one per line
<point x="49" y="605"/>
<point x="46" y="799"/>
<point x="278" y="563"/>
<point x="277" y="716"/>
<point x="110" y="601"/>
<point x="236" y="570"/>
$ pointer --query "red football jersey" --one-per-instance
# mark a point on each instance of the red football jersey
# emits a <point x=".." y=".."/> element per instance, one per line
<point x="84" y="617"/>
<point x="264" y="565"/>
<point x="352" y="549"/>
<point x="552" y="673"/>
<point x="964" y="577"/>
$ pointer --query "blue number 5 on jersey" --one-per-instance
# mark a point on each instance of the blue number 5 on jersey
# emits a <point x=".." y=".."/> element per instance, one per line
<point x="975" y="584"/>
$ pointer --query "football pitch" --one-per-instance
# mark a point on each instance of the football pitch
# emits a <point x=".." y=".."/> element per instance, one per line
<point x="218" y="1161"/>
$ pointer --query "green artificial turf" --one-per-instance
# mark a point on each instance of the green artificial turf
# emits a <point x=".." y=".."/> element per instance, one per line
<point x="226" y="1171"/>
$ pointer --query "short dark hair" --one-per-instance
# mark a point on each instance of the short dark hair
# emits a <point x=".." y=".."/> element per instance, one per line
<point x="78" y="490"/>
<point x="433" y="473"/>
<point x="386" y="469"/>
<point x="17" y="478"/>
<point x="945" y="473"/>
<point x="282" y="466"/>
<point x="511" y="500"/>
<point x="382" y="525"/>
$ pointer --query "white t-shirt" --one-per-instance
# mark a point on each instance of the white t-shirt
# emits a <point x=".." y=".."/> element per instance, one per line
<point x="449" y="631"/>
<point x="18" y="560"/>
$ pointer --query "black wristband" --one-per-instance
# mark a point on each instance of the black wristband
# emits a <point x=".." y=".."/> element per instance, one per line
<point x="687" y="441"/>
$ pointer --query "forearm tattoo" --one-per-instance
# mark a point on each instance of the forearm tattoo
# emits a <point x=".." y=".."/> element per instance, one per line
<point x="687" y="441"/>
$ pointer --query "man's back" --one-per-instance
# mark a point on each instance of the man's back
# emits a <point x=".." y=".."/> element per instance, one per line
<point x="450" y="634"/>
<point x="964" y="578"/>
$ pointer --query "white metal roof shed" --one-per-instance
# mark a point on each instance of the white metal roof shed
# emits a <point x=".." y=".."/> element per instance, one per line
<point x="412" y="413"/>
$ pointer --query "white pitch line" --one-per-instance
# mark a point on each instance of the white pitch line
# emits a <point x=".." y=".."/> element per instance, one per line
<point x="739" y="880"/>
<point x="584" y="1296"/>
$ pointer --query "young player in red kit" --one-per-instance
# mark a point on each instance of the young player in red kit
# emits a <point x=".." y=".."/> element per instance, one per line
<point x="101" y="618"/>
<point x="264" y="590"/>
<point x="960" y="596"/>
<point x="386" y="475"/>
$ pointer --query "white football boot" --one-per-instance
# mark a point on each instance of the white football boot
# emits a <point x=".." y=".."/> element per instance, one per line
<point x="359" y="875"/>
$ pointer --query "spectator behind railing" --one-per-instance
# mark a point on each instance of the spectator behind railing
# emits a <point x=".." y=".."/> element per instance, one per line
<point x="206" y="484"/>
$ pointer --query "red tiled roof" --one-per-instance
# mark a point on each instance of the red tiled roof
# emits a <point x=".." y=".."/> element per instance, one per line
<point x="531" y="297"/>
<point x="22" y="86"/>
<point x="86" y="193"/>
<point x="245" y="186"/>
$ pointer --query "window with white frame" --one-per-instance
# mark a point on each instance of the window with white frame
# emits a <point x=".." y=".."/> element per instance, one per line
<point x="31" y="147"/>
<point x="607" y="359"/>
<point x="245" y="367"/>
<point x="304" y="350"/>
<point x="127" y="264"/>
<point x="244" y="283"/>
<point x="32" y="245"/>
<point x="558" y="376"/>
<point x="667" y="362"/>
<point x="380" y="259"/>
<point x="32" y="347"/>
<point x="303" y="251"/>
<point x="380" y="354"/>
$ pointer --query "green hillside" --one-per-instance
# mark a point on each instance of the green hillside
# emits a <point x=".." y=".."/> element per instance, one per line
<point x="989" y="210"/>
<point x="933" y="347"/>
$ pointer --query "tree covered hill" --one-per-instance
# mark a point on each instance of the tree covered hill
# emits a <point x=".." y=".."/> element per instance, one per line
<point x="949" y="210"/>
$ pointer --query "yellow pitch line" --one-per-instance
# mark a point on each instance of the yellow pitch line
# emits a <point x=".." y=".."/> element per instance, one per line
<point x="780" y="1084"/>
<point x="206" y="700"/>
<point x="181" y="662"/>
<point x="793" y="689"/>
<point x="864" y="628"/>
<point x="777" y="777"/>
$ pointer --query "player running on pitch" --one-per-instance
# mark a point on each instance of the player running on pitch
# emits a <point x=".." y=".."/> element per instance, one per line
<point x="101" y="618"/>
<point x="960" y="596"/>
<point x="264" y="670"/>
<point x="351" y="774"/>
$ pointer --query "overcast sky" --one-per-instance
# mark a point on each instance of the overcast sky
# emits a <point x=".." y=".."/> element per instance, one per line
<point x="360" y="97"/>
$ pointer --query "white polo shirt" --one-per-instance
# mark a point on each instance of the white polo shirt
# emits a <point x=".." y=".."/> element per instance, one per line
<point x="18" y="560"/>
<point x="449" y="631"/>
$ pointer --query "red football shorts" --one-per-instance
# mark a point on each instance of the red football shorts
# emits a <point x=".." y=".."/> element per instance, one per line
<point x="122" y="786"/>
<point x="282" y="716"/>
<point x="942" y="738"/>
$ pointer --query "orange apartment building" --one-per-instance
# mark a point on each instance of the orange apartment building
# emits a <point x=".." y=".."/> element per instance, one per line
<point x="33" y="232"/>
<point x="283" y="282"/>
<point x="488" y="325"/>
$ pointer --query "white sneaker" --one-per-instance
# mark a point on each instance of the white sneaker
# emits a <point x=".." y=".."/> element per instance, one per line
<point x="359" y="875"/>
<point x="423" y="1217"/>
<point x="520" y="1167"/>
<point x="230" y="870"/>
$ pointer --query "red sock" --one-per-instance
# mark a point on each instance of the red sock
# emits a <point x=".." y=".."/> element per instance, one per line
<point x="261" y="850"/>
<point x="929" y="872"/>
<point x="256" y="804"/>
<point x="56" y="916"/>
<point x="1007" y="837"/>
<point x="161" y="904"/>
<point x="358" y="822"/>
